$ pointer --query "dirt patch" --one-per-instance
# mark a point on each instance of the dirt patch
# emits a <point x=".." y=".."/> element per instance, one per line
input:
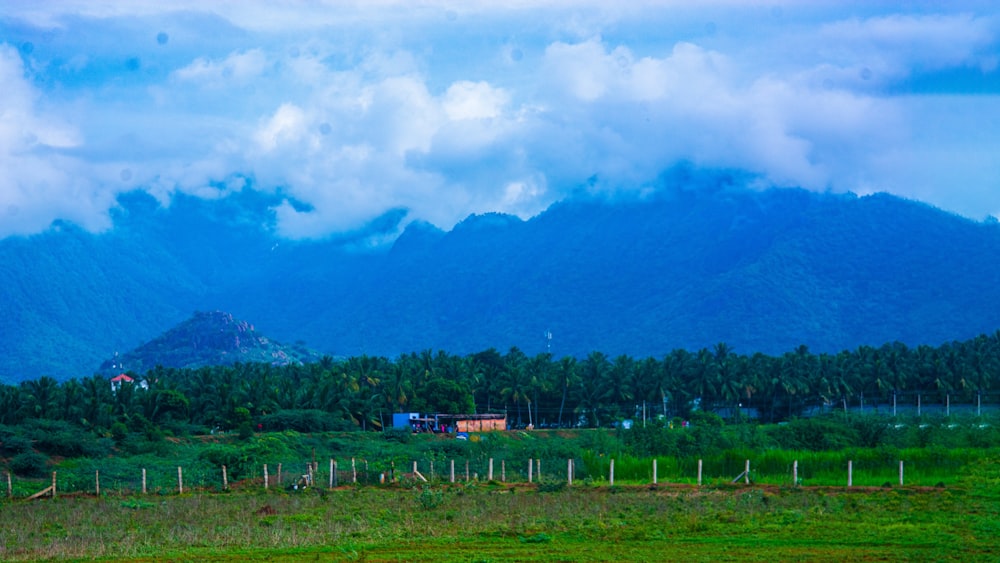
<point x="266" y="510"/>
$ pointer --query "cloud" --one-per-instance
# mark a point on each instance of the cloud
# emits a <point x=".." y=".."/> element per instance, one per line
<point x="39" y="183"/>
<point x="449" y="108"/>
<point x="237" y="68"/>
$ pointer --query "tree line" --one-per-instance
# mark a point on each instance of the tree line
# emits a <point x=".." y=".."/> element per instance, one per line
<point x="362" y="392"/>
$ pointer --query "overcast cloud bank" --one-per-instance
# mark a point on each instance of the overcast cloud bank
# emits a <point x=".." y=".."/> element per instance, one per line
<point x="447" y="109"/>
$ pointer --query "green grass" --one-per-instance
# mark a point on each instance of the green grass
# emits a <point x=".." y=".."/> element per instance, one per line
<point x="490" y="523"/>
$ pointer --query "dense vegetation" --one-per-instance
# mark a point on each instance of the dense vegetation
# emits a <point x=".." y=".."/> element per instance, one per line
<point x="700" y="261"/>
<point x="362" y="392"/>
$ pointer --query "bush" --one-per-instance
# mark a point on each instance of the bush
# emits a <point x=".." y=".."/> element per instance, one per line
<point x="29" y="464"/>
<point x="816" y="434"/>
<point x="14" y="445"/>
<point x="301" y="420"/>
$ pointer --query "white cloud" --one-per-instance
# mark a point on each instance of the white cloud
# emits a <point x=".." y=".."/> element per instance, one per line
<point x="474" y="100"/>
<point x="237" y="68"/>
<point x="450" y="108"/>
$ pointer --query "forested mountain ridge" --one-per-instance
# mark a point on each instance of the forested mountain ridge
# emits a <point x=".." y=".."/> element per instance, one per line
<point x="686" y="267"/>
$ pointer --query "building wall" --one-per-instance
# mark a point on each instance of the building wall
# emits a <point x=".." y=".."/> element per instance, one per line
<point x="481" y="425"/>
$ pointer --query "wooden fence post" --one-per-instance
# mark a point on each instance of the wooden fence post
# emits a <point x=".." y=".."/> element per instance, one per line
<point x="900" y="473"/>
<point x="489" y="474"/>
<point x="265" y="477"/>
<point x="97" y="482"/>
<point x="795" y="473"/>
<point x="309" y="467"/>
<point x="143" y="480"/>
<point x="699" y="472"/>
<point x="850" y="473"/>
<point x="746" y="473"/>
<point x="451" y="476"/>
<point x="53" y="484"/>
<point x="538" y="469"/>
<point x="333" y="472"/>
<point x="225" y="479"/>
<point x="354" y="471"/>
<point x="569" y="471"/>
<point x="180" y="481"/>
<point x="466" y="471"/>
<point x="611" y="473"/>
<point x="530" y="464"/>
<point x="654" y="470"/>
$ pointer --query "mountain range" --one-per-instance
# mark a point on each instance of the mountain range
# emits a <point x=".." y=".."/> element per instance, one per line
<point x="698" y="261"/>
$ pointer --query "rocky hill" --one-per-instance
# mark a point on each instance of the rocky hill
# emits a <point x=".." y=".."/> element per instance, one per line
<point x="206" y="339"/>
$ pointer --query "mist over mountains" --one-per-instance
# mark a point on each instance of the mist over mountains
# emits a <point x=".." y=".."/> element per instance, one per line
<point x="682" y="268"/>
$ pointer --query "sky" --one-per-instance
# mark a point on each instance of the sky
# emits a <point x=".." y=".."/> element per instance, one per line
<point x="349" y="110"/>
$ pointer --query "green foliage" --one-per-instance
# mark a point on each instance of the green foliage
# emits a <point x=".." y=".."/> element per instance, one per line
<point x="429" y="498"/>
<point x="301" y="420"/>
<point x="398" y="435"/>
<point x="816" y="434"/>
<point x="14" y="444"/>
<point x="29" y="464"/>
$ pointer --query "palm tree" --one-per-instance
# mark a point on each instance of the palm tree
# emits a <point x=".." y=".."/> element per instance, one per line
<point x="592" y="393"/>
<point x="565" y="377"/>
<point x="515" y="380"/>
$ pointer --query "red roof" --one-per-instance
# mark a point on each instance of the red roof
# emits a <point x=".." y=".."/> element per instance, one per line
<point x="120" y="378"/>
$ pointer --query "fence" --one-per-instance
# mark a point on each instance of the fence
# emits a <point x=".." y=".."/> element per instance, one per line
<point x="857" y="468"/>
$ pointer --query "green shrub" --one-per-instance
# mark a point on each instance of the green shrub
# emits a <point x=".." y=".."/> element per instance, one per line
<point x="301" y="420"/>
<point x="14" y="445"/>
<point x="29" y="464"/>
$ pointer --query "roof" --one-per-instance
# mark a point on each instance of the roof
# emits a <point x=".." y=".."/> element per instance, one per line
<point x="120" y="378"/>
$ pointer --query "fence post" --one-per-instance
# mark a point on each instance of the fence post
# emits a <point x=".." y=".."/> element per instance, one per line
<point x="538" y="469"/>
<point x="569" y="471"/>
<point x="354" y="471"/>
<point x="225" y="479"/>
<point x="530" y="467"/>
<point x="850" y="473"/>
<point x="503" y="470"/>
<point x="611" y="473"/>
<point x="795" y="473"/>
<point x="466" y="471"/>
<point x="10" y="486"/>
<point x="699" y="472"/>
<point x="654" y="470"/>
<point x="333" y="472"/>
<point x="97" y="482"/>
<point x="180" y="481"/>
<point x="432" y="470"/>
<point x="451" y="475"/>
<point x="489" y="473"/>
<point x="143" y="480"/>
<point x="900" y="473"/>
<point x="746" y="473"/>
<point x="53" y="484"/>
<point x="265" y="477"/>
<point x="309" y="466"/>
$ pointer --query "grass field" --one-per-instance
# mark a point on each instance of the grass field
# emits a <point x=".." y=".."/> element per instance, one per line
<point x="493" y="522"/>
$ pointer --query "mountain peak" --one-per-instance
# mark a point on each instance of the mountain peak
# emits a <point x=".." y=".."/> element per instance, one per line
<point x="207" y="338"/>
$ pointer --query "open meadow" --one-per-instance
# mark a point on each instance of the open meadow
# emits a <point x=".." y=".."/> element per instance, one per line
<point x="507" y="496"/>
<point x="496" y="522"/>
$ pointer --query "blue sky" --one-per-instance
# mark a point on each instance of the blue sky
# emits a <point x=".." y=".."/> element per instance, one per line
<point x="446" y="108"/>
